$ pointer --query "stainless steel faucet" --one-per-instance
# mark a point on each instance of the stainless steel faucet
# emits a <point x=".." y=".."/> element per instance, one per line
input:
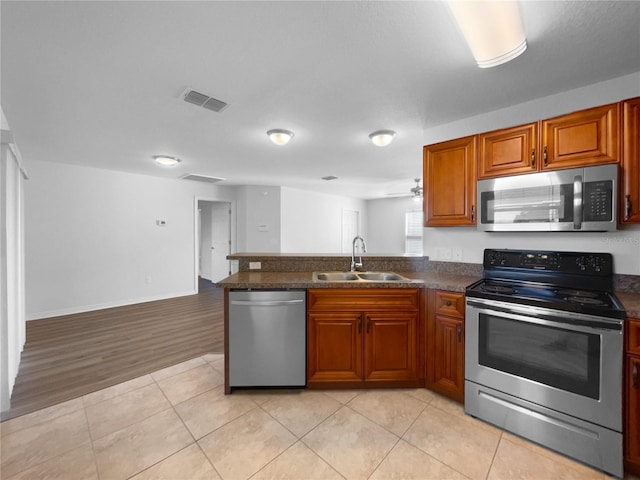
<point x="357" y="266"/>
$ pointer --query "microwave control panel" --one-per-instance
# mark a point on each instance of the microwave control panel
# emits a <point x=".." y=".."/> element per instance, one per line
<point x="597" y="199"/>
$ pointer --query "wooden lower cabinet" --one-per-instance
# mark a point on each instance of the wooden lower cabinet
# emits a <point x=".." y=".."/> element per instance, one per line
<point x="445" y="343"/>
<point x="363" y="337"/>
<point x="632" y="397"/>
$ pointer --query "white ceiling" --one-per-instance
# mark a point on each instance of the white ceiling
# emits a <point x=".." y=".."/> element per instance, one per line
<point x="99" y="83"/>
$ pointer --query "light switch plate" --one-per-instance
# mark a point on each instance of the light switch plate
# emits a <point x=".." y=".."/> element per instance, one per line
<point x="255" y="265"/>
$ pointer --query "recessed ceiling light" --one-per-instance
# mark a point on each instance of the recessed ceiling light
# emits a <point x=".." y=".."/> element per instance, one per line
<point x="280" y="136"/>
<point x="166" y="161"/>
<point x="382" y="138"/>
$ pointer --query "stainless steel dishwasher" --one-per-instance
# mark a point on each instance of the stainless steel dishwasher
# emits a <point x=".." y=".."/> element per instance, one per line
<point x="267" y="338"/>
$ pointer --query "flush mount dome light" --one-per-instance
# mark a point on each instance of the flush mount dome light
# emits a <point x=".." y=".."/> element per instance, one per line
<point x="166" y="161"/>
<point x="382" y="138"/>
<point x="280" y="136"/>
<point x="493" y="30"/>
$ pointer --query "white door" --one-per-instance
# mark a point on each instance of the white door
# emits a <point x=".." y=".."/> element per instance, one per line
<point x="220" y="240"/>
<point x="206" y="241"/>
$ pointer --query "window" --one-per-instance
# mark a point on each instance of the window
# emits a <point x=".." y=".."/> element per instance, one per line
<point x="413" y="233"/>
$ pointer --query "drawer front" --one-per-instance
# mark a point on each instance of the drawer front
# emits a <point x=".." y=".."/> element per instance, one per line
<point x="350" y="299"/>
<point x="449" y="303"/>
<point x="633" y="336"/>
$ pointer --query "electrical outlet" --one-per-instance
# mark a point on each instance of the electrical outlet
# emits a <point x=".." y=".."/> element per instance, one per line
<point x="147" y="280"/>
<point x="443" y="253"/>
<point x="255" y="265"/>
<point x="457" y="254"/>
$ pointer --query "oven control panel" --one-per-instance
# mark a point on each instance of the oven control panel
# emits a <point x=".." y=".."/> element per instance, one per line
<point x="566" y="262"/>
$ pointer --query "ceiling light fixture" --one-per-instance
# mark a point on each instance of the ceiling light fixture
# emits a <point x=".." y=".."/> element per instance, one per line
<point x="166" y="161"/>
<point x="493" y="30"/>
<point x="382" y="138"/>
<point x="280" y="136"/>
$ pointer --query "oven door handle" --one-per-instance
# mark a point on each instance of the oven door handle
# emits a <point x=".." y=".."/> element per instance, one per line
<point x="543" y="316"/>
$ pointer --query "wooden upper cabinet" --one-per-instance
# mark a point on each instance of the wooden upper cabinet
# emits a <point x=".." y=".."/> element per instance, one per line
<point x="586" y="137"/>
<point x="579" y="139"/>
<point x="630" y="160"/>
<point x="509" y="151"/>
<point x="450" y="183"/>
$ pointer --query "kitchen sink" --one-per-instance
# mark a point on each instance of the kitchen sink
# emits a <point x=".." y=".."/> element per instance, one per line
<point x="381" y="277"/>
<point x="336" y="277"/>
<point x="358" y="277"/>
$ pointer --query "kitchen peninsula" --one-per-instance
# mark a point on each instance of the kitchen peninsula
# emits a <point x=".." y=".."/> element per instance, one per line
<point x="365" y="333"/>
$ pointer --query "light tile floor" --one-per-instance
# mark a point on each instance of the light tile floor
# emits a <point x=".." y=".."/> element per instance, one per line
<point x="177" y="424"/>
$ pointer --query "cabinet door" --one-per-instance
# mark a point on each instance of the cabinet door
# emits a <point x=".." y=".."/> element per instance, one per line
<point x="448" y="367"/>
<point x="632" y="423"/>
<point x="334" y="346"/>
<point x="630" y="183"/>
<point x="509" y="151"/>
<point x="445" y="343"/>
<point x="391" y="344"/>
<point x="587" y="137"/>
<point x="450" y="183"/>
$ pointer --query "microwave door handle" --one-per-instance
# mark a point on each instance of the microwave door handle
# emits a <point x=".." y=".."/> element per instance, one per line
<point x="577" y="202"/>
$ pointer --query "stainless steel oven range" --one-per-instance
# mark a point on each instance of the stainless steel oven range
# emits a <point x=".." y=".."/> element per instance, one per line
<point x="543" y="352"/>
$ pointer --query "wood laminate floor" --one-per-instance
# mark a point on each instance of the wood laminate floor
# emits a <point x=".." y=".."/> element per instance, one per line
<point x="69" y="356"/>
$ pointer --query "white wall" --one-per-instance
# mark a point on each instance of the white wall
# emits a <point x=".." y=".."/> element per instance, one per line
<point x="92" y="240"/>
<point x="387" y="223"/>
<point x="12" y="276"/>
<point x="312" y="222"/>
<point x="623" y="244"/>
<point x="258" y="219"/>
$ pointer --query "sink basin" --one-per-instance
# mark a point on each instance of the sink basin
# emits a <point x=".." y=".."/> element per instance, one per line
<point x="358" y="277"/>
<point x="381" y="277"/>
<point x="336" y="277"/>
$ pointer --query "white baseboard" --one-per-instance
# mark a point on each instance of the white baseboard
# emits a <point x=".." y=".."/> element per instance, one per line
<point x="102" y="306"/>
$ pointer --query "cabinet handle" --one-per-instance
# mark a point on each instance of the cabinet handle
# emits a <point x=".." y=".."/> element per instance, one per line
<point x="368" y="323"/>
<point x="628" y="207"/>
<point x="473" y="212"/>
<point x="459" y="330"/>
<point x="448" y="303"/>
<point x="634" y="375"/>
<point x="533" y="158"/>
<point x="360" y="324"/>
<point x="544" y="156"/>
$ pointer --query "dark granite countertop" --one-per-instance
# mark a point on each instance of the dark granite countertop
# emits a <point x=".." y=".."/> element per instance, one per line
<point x="437" y="280"/>
<point x="283" y="270"/>
<point x="631" y="303"/>
<point x="443" y="281"/>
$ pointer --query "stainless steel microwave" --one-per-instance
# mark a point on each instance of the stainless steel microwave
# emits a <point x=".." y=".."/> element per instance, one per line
<point x="576" y="200"/>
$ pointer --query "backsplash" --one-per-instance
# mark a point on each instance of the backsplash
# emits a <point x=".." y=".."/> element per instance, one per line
<point x="340" y="263"/>
<point x="626" y="283"/>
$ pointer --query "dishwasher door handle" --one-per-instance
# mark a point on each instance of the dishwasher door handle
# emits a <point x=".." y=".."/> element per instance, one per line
<point x="266" y="303"/>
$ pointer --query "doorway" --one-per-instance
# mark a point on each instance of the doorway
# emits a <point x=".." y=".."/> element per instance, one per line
<point x="214" y="229"/>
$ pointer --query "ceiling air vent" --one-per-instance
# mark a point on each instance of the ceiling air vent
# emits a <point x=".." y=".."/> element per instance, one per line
<point x="202" y="100"/>
<point x="201" y="178"/>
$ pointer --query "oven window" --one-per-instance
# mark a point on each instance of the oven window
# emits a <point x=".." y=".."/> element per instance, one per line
<point x="564" y="359"/>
